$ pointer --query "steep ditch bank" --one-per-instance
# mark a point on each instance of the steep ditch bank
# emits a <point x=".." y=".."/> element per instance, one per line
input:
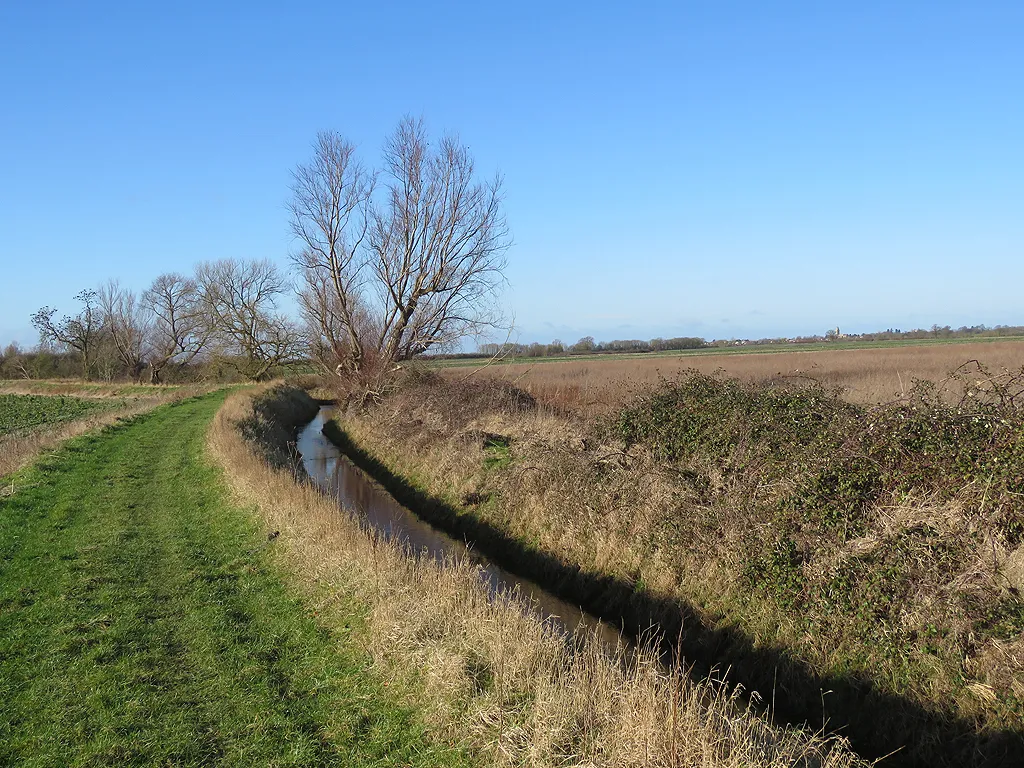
<point x="471" y="463"/>
<point x="384" y="516"/>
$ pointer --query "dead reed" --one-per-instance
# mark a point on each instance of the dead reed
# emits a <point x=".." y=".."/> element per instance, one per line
<point x="864" y="376"/>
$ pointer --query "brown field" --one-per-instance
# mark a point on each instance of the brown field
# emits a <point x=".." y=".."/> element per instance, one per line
<point x="863" y="375"/>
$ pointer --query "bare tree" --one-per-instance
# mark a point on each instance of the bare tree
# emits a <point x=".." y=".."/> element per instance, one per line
<point x="438" y="244"/>
<point x="239" y="304"/>
<point x="416" y="271"/>
<point x="178" y="332"/>
<point x="329" y="207"/>
<point x="127" y="323"/>
<point x="80" y="333"/>
<point x="12" y="362"/>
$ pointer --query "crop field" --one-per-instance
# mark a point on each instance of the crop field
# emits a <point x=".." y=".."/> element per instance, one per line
<point x="863" y="375"/>
<point x="36" y="416"/>
<point x="23" y="412"/>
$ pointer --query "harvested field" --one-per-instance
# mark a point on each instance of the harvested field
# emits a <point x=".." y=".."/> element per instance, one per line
<point x="864" y="376"/>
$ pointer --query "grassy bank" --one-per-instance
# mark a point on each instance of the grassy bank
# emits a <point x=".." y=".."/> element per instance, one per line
<point x="863" y="564"/>
<point x="488" y="674"/>
<point x="143" y="621"/>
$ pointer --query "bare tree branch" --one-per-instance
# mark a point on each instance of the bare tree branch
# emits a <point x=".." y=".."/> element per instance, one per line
<point x="178" y="331"/>
<point x="80" y="333"/>
<point x="329" y="199"/>
<point x="238" y="300"/>
<point x="128" y="325"/>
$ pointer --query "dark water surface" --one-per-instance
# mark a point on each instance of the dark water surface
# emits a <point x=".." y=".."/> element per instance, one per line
<point x="360" y="494"/>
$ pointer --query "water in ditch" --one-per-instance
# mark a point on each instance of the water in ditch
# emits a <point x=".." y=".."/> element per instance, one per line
<point x="358" y="493"/>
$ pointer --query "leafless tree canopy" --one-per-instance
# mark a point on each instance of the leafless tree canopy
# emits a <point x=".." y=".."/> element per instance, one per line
<point x="227" y="313"/>
<point x="238" y="300"/>
<point x="393" y="263"/>
<point x="389" y="276"/>
<point x="127" y="325"/>
<point x="329" y="217"/>
<point x="80" y="332"/>
<point x="178" y="332"/>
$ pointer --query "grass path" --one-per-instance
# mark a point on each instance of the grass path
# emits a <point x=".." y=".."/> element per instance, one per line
<point x="142" y="622"/>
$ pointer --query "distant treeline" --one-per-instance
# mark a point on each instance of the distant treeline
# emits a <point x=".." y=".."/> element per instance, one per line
<point x="585" y="346"/>
<point x="221" y="322"/>
<point x="890" y="334"/>
<point x="45" y="362"/>
<point x="945" y="332"/>
<point x="56" y="360"/>
<point x="588" y="346"/>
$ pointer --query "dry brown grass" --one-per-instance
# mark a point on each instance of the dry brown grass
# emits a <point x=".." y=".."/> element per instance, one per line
<point x="864" y="375"/>
<point x="685" y="534"/>
<point x="491" y="675"/>
<point x="19" y="449"/>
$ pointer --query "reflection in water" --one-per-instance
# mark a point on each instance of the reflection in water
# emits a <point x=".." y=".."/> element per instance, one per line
<point x="356" y="492"/>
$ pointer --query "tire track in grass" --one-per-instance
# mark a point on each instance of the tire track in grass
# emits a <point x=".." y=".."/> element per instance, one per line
<point x="141" y="622"/>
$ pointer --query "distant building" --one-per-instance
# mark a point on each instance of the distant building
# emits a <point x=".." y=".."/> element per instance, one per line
<point x="835" y="333"/>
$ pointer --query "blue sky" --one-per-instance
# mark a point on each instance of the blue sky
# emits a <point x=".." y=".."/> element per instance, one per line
<point x="721" y="169"/>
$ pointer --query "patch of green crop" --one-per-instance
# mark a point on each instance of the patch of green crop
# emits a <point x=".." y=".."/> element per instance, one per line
<point x="23" y="412"/>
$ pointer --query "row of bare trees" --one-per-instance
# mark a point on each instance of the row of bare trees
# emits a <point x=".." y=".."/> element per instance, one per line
<point x="226" y="311"/>
<point x="392" y="262"/>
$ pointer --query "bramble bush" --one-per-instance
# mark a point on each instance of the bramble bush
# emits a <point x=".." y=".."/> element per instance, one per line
<point x="841" y="457"/>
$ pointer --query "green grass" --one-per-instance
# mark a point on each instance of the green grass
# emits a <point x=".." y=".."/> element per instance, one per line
<point x="497" y="453"/>
<point x="743" y="349"/>
<point x="143" y="622"/>
<point x="21" y="412"/>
